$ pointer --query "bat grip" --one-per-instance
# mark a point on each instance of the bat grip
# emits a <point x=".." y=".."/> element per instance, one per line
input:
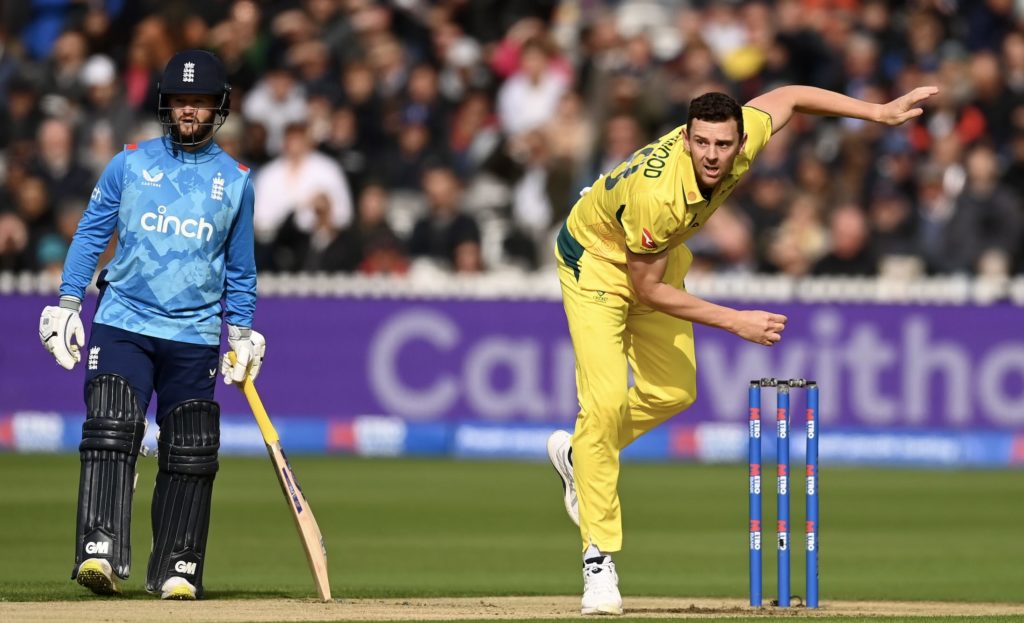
<point x="256" y="405"/>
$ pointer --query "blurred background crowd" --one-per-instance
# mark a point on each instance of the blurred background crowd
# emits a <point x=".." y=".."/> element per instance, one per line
<point x="456" y="134"/>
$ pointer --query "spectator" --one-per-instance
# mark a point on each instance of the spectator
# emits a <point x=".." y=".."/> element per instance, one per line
<point x="371" y="246"/>
<point x="622" y="136"/>
<point x="446" y="234"/>
<point x="57" y="165"/>
<point x="276" y="101"/>
<point x="104" y="107"/>
<point x="892" y="223"/>
<point x="390" y="90"/>
<point x="286" y="186"/>
<point x="474" y="135"/>
<point x="343" y="144"/>
<point x="404" y="163"/>
<point x="20" y="117"/>
<point x="321" y="249"/>
<point x="530" y="97"/>
<point x="850" y="249"/>
<point x="13" y="242"/>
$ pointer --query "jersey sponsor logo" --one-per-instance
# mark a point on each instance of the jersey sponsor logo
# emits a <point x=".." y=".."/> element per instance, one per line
<point x="188" y="568"/>
<point x="96" y="194"/>
<point x="152" y="179"/>
<point x="164" y="223"/>
<point x="646" y="239"/>
<point x="217" y="189"/>
<point x="188" y="72"/>
<point x="97" y="547"/>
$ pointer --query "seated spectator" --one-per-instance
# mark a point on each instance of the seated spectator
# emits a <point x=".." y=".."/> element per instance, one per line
<point x="20" y="116"/>
<point x="423" y="104"/>
<point x="474" y="134"/>
<point x="892" y="223"/>
<point x="403" y="165"/>
<point x="276" y="102"/>
<point x="321" y="249"/>
<point x="343" y="144"/>
<point x="13" y="242"/>
<point x="850" y="250"/>
<point x="287" y="186"/>
<point x="528" y="99"/>
<point x="441" y="234"/>
<point x="105" y="105"/>
<point x="56" y="164"/>
<point x="33" y="206"/>
<point x="371" y="245"/>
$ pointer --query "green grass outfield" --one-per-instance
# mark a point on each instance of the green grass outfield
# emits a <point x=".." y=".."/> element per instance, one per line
<point x="437" y="528"/>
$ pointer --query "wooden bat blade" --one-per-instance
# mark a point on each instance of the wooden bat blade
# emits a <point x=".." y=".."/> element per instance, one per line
<point x="309" y="531"/>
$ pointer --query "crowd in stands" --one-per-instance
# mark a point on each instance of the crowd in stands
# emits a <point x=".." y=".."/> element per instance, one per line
<point x="457" y="133"/>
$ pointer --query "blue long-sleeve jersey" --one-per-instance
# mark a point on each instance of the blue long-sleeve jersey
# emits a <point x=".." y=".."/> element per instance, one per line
<point x="185" y="241"/>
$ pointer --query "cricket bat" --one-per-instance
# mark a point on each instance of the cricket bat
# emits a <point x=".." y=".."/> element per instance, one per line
<point x="309" y="531"/>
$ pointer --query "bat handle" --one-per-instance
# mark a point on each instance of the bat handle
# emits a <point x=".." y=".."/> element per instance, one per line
<point x="256" y="405"/>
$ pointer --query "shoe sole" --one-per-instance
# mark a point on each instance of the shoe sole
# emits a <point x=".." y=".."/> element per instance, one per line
<point x="602" y="610"/>
<point x="180" y="593"/>
<point x="566" y="497"/>
<point x="92" y="577"/>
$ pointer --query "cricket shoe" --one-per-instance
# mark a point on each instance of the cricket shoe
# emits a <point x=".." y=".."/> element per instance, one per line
<point x="560" y="454"/>
<point x="178" y="588"/>
<point x="600" y="587"/>
<point x="97" y="575"/>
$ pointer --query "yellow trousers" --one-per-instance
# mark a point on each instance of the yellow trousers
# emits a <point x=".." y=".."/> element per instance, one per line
<point x="611" y="333"/>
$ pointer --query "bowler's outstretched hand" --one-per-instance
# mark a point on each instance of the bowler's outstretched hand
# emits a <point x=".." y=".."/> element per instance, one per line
<point x="905" y="107"/>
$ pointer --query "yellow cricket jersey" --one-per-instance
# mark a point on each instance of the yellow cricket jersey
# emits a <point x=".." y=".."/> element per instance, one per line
<point x="651" y="202"/>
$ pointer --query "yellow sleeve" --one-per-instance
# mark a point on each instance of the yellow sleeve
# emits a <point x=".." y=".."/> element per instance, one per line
<point x="647" y="223"/>
<point x="757" y="125"/>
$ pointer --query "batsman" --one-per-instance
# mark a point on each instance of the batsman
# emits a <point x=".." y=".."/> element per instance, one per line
<point x="622" y="257"/>
<point x="182" y="210"/>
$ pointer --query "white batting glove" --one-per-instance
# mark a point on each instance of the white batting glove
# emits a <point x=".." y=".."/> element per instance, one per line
<point x="249" y="347"/>
<point x="57" y="326"/>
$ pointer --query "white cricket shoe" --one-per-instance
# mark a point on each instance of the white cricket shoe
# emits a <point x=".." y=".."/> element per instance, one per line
<point x="600" y="587"/>
<point x="97" y="575"/>
<point x="178" y="588"/>
<point x="560" y="454"/>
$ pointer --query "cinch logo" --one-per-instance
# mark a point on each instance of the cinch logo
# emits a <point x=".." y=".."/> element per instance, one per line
<point x="97" y="547"/>
<point x="164" y="223"/>
<point x="188" y="74"/>
<point x="188" y="568"/>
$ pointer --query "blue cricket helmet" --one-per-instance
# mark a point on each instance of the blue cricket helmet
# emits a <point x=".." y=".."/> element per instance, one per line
<point x="193" y="72"/>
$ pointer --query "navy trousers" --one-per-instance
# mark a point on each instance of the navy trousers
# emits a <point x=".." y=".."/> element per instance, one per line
<point x="176" y="370"/>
